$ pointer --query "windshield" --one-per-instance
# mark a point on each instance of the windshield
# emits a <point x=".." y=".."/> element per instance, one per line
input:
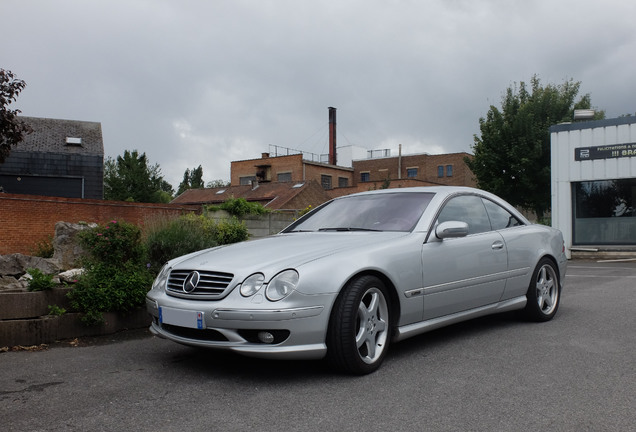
<point x="398" y="211"/>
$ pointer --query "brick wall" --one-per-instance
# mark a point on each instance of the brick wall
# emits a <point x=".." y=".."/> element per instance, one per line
<point x="26" y="220"/>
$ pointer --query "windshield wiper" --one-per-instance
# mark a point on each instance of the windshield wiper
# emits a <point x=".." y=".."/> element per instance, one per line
<point x="347" y="229"/>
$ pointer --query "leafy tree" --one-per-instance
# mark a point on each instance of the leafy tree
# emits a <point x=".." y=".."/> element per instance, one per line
<point x="131" y="178"/>
<point x="217" y="183"/>
<point x="512" y="155"/>
<point x="192" y="179"/>
<point x="12" y="129"/>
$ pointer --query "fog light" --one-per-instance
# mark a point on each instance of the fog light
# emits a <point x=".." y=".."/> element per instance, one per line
<point x="266" y="337"/>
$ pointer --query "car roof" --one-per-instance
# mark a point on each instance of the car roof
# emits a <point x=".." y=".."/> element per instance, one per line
<point x="446" y="190"/>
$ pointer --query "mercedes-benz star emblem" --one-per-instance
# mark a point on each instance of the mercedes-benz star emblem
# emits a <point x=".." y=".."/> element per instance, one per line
<point x="191" y="282"/>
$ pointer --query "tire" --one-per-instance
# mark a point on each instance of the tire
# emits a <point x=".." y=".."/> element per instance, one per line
<point x="544" y="292"/>
<point x="360" y="326"/>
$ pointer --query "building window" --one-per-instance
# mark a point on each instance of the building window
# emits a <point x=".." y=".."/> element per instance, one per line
<point x="449" y="170"/>
<point x="411" y="172"/>
<point x="440" y="171"/>
<point x="325" y="181"/>
<point x="343" y="182"/>
<point x="246" y="180"/>
<point x="284" y="177"/>
<point x="365" y="176"/>
<point x="604" y="212"/>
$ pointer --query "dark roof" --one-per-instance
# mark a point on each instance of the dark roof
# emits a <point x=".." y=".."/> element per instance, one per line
<point x="50" y="136"/>
<point x="273" y="195"/>
<point x="592" y="124"/>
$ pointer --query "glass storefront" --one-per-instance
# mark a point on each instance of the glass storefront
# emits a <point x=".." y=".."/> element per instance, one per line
<point x="604" y="212"/>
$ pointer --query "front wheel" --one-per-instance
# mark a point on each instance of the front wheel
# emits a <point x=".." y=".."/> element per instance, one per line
<point x="360" y="326"/>
<point x="544" y="292"/>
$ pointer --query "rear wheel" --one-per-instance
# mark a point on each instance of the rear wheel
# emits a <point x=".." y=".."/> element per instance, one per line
<point x="360" y="325"/>
<point x="544" y="292"/>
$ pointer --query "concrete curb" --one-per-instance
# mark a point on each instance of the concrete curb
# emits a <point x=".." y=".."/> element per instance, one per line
<point x="48" y="329"/>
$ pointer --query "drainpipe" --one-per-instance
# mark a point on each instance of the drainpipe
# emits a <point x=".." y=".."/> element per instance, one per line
<point x="400" y="162"/>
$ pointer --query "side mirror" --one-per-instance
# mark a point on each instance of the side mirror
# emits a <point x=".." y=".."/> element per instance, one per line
<point x="451" y="229"/>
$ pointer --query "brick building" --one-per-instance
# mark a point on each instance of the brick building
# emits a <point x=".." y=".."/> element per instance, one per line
<point x="445" y="169"/>
<point x="289" y="168"/>
<point x="337" y="180"/>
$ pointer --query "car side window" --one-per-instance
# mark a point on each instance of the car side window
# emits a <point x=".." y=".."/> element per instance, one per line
<point x="500" y="218"/>
<point x="469" y="209"/>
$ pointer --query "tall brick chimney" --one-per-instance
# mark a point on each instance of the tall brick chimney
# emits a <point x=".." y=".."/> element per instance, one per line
<point x="332" y="136"/>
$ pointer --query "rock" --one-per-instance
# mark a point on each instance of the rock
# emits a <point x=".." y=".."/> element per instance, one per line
<point x="67" y="251"/>
<point x="18" y="264"/>
<point x="10" y="265"/>
<point x="11" y="284"/>
<point x="70" y="276"/>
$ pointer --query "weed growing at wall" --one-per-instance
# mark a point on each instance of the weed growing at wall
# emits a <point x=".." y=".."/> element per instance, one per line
<point x="116" y="276"/>
<point x="55" y="310"/>
<point x="43" y="248"/>
<point x="304" y="211"/>
<point x="39" y="281"/>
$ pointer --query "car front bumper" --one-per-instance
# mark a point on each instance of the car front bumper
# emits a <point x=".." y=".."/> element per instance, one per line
<point x="293" y="331"/>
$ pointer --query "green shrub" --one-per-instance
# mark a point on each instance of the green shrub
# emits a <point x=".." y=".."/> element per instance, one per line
<point x="114" y="243"/>
<point x="167" y="239"/>
<point x="116" y="276"/>
<point x="39" y="281"/>
<point x="240" y="207"/>
<point x="107" y="288"/>
<point x="545" y="220"/>
<point x="231" y="231"/>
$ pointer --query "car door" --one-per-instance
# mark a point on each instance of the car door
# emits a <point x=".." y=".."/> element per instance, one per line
<point x="521" y="253"/>
<point x="467" y="272"/>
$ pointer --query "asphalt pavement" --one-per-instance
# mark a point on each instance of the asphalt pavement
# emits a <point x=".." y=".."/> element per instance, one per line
<point x="574" y="373"/>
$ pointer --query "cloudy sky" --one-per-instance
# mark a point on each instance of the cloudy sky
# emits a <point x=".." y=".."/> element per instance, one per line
<point x="194" y="82"/>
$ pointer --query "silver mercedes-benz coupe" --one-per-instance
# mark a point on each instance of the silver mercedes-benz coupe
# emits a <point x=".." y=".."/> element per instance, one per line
<point x="361" y="272"/>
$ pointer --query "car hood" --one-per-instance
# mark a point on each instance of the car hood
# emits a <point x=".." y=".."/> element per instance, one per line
<point x="281" y="251"/>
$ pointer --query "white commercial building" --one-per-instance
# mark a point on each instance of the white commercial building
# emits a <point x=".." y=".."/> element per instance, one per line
<point x="594" y="184"/>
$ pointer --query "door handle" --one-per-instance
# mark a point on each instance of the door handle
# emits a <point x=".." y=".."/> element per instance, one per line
<point x="497" y="245"/>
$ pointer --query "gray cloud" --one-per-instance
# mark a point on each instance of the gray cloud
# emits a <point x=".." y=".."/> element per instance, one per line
<point x="207" y="82"/>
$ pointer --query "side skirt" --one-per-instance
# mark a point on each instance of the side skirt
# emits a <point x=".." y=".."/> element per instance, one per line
<point x="410" y="330"/>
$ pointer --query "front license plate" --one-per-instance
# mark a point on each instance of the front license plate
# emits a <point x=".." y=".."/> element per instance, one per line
<point x="181" y="318"/>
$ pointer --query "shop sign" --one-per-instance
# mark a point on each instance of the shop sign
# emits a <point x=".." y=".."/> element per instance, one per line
<point x="605" y="152"/>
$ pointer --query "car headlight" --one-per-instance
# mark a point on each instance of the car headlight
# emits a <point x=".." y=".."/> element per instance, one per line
<point x="162" y="277"/>
<point x="282" y="285"/>
<point x="252" y="284"/>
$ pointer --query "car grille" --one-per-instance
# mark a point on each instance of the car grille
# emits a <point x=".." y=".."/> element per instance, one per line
<point x="212" y="285"/>
<point x="196" y="334"/>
